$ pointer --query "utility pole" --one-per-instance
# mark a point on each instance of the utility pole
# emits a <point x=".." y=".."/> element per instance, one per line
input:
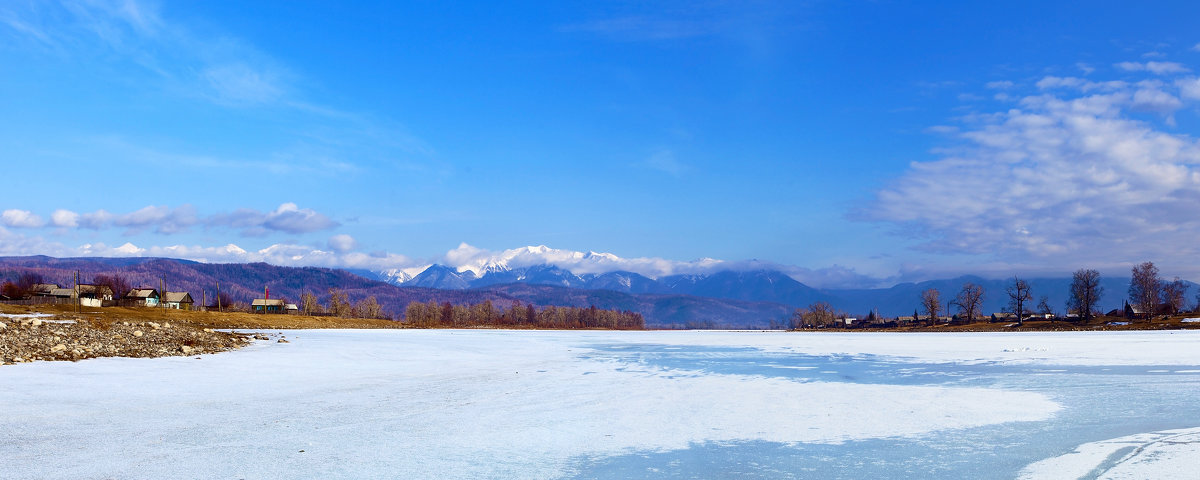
<point x="218" y="297"/>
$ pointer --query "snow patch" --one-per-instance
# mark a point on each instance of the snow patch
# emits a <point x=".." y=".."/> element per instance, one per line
<point x="1167" y="454"/>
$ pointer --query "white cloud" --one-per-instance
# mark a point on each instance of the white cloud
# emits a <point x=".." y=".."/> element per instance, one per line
<point x="342" y="243"/>
<point x="277" y="254"/>
<point x="20" y="219"/>
<point x="287" y="218"/>
<point x="1000" y="85"/>
<point x="1061" y="180"/>
<point x="1052" y="82"/>
<point x="1196" y="47"/>
<point x="1189" y="88"/>
<point x="64" y="218"/>
<point x="292" y="219"/>
<point x="1157" y="68"/>
<point x="1155" y="100"/>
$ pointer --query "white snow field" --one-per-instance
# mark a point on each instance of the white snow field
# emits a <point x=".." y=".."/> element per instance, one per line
<point x="590" y="404"/>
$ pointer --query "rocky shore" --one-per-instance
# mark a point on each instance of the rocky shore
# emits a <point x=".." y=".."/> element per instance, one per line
<point x="31" y="337"/>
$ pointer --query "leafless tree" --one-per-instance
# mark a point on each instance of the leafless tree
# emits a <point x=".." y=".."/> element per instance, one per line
<point x="1043" y="306"/>
<point x="339" y="304"/>
<point x="27" y="280"/>
<point x="1174" y="293"/>
<point x="969" y="301"/>
<point x="115" y="282"/>
<point x="932" y="303"/>
<point x="817" y="314"/>
<point x="1085" y="293"/>
<point x="309" y="303"/>
<point x="1144" y="288"/>
<point x="367" y="308"/>
<point x="1018" y="294"/>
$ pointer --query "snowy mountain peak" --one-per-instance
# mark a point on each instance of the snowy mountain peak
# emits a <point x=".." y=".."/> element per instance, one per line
<point x="400" y="276"/>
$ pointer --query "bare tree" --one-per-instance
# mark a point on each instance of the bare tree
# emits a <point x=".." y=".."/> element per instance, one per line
<point x="1174" y="294"/>
<point x="1043" y="306"/>
<point x="115" y="282"/>
<point x="27" y="280"/>
<point x="1144" y="288"/>
<point x="932" y="303"/>
<point x="309" y="303"/>
<point x="1085" y="293"/>
<point x="817" y="314"/>
<point x="969" y="301"/>
<point x="367" y="308"/>
<point x="339" y="304"/>
<point x="1018" y="294"/>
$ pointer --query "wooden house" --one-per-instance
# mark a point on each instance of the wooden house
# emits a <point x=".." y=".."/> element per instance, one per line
<point x="42" y="289"/>
<point x="177" y="300"/>
<point x="267" y="305"/>
<point x="94" y="295"/>
<point x="141" y="297"/>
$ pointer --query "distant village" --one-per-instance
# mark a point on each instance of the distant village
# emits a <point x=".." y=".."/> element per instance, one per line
<point x="91" y="295"/>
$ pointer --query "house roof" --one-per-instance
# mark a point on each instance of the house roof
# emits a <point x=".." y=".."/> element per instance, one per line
<point x="291" y="306"/>
<point x="142" y="293"/>
<point x="177" y="297"/>
<point x="62" y="292"/>
<point x="95" y="289"/>
<point x="267" y="302"/>
<point x="43" y="287"/>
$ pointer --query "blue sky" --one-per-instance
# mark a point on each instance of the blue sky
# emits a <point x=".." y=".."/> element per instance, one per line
<point x="850" y="143"/>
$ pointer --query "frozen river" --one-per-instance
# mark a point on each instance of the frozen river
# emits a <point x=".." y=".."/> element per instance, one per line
<point x="554" y="404"/>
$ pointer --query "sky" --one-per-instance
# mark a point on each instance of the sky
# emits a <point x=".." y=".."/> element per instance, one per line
<point x="846" y="143"/>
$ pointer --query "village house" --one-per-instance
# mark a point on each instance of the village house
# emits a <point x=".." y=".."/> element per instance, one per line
<point x="42" y="289"/>
<point x="141" y="297"/>
<point x="177" y="300"/>
<point x="267" y="305"/>
<point x="94" y="295"/>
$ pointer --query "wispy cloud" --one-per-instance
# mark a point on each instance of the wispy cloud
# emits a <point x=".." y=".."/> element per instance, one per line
<point x="155" y="51"/>
<point x="1070" y="176"/>
<point x="666" y="162"/>
<point x="1157" y="68"/>
<point x="288" y="218"/>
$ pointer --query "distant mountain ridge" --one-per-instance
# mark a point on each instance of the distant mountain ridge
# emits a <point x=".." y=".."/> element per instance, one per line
<point x="770" y="286"/>
<point x="244" y="282"/>
<point x="726" y="298"/>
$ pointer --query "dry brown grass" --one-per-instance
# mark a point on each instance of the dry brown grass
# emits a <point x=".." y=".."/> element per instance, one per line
<point x="107" y="315"/>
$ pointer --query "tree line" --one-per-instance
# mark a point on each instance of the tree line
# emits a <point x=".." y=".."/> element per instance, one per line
<point x="1149" y="295"/>
<point x="432" y="314"/>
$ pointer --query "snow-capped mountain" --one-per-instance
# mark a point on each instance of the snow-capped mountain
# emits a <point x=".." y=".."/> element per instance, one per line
<point x="466" y="258"/>
<point x="400" y="276"/>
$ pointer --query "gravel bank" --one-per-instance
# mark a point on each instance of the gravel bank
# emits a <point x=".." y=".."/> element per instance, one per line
<point x="26" y="338"/>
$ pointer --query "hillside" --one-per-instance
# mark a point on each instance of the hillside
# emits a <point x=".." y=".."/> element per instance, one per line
<point x="244" y="282"/>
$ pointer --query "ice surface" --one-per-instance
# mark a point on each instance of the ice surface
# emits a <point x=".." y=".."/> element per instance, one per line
<point x="527" y="404"/>
<point x="1167" y="454"/>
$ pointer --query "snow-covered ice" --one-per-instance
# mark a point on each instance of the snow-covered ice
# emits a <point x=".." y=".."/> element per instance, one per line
<point x="554" y="404"/>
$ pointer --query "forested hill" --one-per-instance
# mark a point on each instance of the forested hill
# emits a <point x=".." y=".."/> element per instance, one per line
<point x="245" y="282"/>
<point x="239" y="282"/>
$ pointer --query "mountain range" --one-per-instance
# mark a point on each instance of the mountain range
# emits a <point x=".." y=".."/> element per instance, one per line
<point x="731" y="299"/>
<point x="760" y="286"/>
